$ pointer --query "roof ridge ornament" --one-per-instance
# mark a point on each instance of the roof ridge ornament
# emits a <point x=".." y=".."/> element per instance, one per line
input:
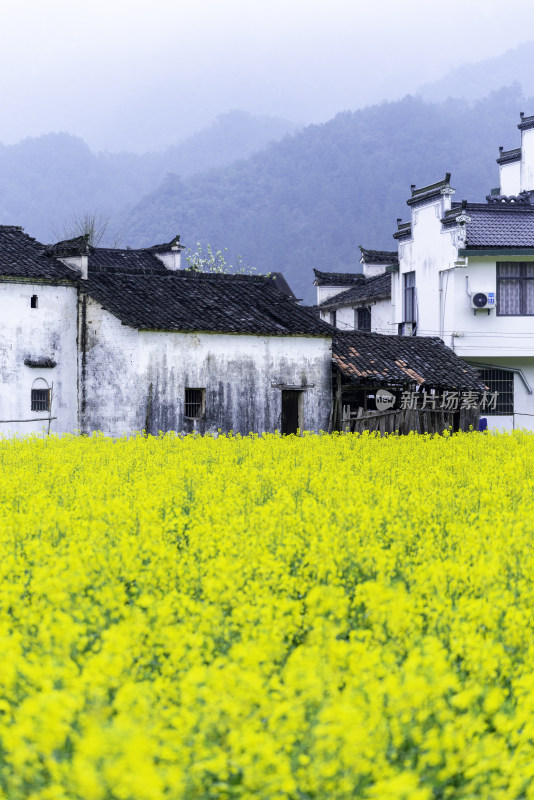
<point x="523" y="199"/>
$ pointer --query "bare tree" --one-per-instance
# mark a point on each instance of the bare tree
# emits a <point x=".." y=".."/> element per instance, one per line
<point x="92" y="224"/>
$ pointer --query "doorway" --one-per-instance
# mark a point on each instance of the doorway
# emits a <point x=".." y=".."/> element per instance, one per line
<point x="291" y="411"/>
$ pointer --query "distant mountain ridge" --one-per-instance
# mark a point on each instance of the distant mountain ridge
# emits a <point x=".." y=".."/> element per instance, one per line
<point x="474" y="81"/>
<point x="45" y="181"/>
<point x="310" y="199"/>
<point x="307" y="200"/>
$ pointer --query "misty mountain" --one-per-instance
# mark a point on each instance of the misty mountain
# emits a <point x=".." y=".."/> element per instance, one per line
<point x="474" y="81"/>
<point x="45" y="181"/>
<point x="310" y="199"/>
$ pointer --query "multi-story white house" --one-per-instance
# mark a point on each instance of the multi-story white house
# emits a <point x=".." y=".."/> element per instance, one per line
<point x="465" y="273"/>
<point x="359" y="301"/>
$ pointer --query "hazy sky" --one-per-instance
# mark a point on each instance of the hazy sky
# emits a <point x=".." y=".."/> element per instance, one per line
<point x="139" y="75"/>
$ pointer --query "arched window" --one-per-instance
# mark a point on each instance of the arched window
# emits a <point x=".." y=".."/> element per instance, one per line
<point x="40" y="395"/>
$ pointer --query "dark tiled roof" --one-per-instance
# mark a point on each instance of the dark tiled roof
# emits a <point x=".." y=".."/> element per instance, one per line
<point x="496" y="225"/>
<point x="191" y="301"/>
<point x="373" y="358"/>
<point x="379" y="256"/>
<point x="282" y="285"/>
<point x="24" y="257"/>
<point x="133" y="262"/>
<point x="509" y="156"/>
<point x="376" y="288"/>
<point x="69" y="247"/>
<point x="337" y="278"/>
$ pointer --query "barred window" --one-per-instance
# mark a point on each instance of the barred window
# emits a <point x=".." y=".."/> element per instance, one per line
<point x="363" y="319"/>
<point x="195" y="402"/>
<point x="502" y="382"/>
<point x="515" y="289"/>
<point x="40" y="400"/>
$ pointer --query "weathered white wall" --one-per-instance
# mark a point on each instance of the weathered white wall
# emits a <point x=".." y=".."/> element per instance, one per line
<point x="237" y="372"/>
<point x="108" y="365"/>
<point x="510" y="178"/>
<point x="48" y="331"/>
<point x="137" y="379"/>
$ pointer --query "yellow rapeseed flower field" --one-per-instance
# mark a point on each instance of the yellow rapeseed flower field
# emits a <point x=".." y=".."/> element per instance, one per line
<point x="326" y="617"/>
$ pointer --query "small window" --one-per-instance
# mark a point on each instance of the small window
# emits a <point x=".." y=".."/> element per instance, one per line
<point x="363" y="319"/>
<point x="195" y="403"/>
<point x="40" y="400"/>
<point x="34" y="301"/>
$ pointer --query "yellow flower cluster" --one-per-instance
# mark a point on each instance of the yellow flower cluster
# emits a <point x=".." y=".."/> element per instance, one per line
<point x="302" y="617"/>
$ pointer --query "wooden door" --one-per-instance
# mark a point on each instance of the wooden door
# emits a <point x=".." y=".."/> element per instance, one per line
<point x="290" y="411"/>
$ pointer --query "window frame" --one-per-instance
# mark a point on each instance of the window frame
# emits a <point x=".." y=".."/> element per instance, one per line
<point x="199" y="401"/>
<point x="40" y="400"/>
<point x="522" y="280"/>
<point x="358" y="314"/>
<point x="409" y="297"/>
<point x="494" y="378"/>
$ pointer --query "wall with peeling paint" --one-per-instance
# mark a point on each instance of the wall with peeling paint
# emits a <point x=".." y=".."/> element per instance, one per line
<point x="45" y="334"/>
<point x="133" y="380"/>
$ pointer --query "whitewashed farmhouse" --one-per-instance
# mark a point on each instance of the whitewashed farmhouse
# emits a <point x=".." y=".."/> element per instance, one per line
<point x="123" y="340"/>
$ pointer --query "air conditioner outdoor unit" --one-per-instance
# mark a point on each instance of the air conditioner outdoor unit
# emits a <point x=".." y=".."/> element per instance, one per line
<point x="484" y="301"/>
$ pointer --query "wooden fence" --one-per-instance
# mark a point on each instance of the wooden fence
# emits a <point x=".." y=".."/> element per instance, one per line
<point x="403" y="421"/>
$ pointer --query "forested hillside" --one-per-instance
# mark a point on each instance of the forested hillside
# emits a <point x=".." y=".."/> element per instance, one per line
<point x="310" y="199"/>
<point x="46" y="181"/>
<point x="305" y="201"/>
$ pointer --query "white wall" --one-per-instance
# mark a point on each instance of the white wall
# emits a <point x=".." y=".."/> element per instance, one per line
<point x="137" y="379"/>
<point x="48" y="331"/>
<point x="510" y="178"/>
<point x="326" y="292"/>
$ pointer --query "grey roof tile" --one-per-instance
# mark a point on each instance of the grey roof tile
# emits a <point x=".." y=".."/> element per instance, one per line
<point x="377" y="359"/>
<point x="377" y="287"/>
<point x="337" y="278"/>
<point x="191" y="301"/>
<point x="22" y="256"/>
<point x="496" y="225"/>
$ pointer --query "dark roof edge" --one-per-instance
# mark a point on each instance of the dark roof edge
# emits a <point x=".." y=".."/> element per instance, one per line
<point x="526" y="122"/>
<point x="496" y="251"/>
<point x="379" y="256"/>
<point x="325" y="335"/>
<point x="509" y="156"/>
<point x="431" y="192"/>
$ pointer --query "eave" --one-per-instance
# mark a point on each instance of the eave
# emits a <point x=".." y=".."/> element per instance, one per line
<point x="496" y="251"/>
